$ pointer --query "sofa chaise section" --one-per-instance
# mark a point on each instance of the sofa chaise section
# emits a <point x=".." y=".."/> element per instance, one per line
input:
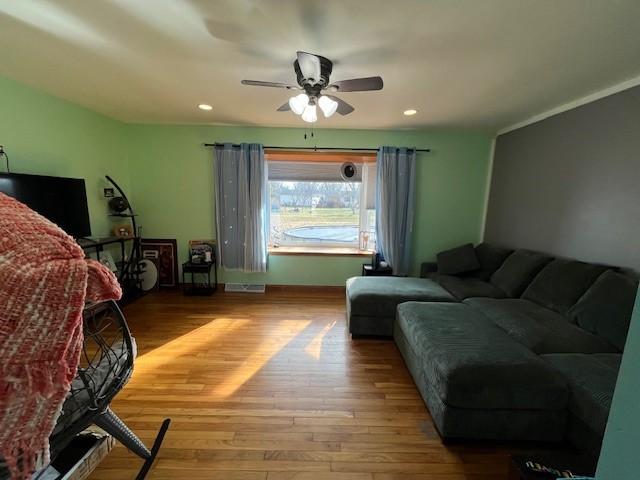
<point x="578" y="328"/>
<point x="372" y="301"/>
<point x="592" y="381"/>
<point x="477" y="381"/>
<point x="604" y="310"/>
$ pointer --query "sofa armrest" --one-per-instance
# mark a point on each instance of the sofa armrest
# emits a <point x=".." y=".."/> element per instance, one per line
<point x="428" y="267"/>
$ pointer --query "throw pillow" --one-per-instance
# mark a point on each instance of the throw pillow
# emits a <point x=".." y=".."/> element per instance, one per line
<point x="491" y="257"/>
<point x="458" y="260"/>
<point x="518" y="270"/>
<point x="561" y="283"/>
<point x="605" y="309"/>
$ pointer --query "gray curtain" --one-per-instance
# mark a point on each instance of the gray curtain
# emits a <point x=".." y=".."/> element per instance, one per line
<point x="394" y="206"/>
<point x="240" y="175"/>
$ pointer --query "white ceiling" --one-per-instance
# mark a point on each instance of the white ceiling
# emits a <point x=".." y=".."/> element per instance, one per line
<point x="462" y="63"/>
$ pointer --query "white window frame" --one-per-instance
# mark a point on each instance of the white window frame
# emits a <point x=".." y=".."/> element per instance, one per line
<point x="362" y="218"/>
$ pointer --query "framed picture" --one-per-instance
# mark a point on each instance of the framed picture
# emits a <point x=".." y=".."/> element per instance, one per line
<point x="149" y="268"/>
<point x="166" y="255"/>
<point x="202" y="251"/>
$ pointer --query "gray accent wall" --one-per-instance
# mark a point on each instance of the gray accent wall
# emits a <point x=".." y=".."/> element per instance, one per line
<point x="570" y="184"/>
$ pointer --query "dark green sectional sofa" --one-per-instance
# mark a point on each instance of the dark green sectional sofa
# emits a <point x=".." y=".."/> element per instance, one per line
<point x="521" y="347"/>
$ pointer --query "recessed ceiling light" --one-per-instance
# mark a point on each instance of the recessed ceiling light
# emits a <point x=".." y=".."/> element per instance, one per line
<point x="410" y="112"/>
<point x="204" y="106"/>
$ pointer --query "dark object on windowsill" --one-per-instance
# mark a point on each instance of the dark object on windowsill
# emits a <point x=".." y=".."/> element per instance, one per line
<point x="203" y="270"/>
<point x="376" y="258"/>
<point x="370" y="271"/>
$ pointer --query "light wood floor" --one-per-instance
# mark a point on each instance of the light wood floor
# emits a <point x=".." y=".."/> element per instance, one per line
<point x="271" y="387"/>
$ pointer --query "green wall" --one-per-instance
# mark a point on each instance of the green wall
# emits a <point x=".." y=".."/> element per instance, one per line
<point x="49" y="136"/>
<point x="619" y="456"/>
<point x="167" y="173"/>
<point x="172" y="177"/>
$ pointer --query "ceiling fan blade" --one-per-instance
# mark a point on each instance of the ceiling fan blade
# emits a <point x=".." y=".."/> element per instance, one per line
<point x="357" y="85"/>
<point x="259" y="83"/>
<point x="309" y="66"/>
<point x="343" y="107"/>
<point x="284" y="107"/>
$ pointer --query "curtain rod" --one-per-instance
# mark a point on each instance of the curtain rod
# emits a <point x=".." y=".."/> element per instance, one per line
<point x="318" y="148"/>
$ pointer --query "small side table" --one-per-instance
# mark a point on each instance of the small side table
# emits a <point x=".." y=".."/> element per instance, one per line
<point x="369" y="271"/>
<point x="199" y="288"/>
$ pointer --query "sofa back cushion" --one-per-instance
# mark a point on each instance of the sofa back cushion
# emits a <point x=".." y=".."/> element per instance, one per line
<point x="605" y="308"/>
<point x="561" y="283"/>
<point x="491" y="257"/>
<point x="517" y="271"/>
<point x="458" y="260"/>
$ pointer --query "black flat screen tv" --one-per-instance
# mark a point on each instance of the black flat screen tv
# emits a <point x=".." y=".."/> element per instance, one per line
<point x="61" y="200"/>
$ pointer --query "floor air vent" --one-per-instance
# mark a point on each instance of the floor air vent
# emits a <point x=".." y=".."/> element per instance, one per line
<point x="244" y="287"/>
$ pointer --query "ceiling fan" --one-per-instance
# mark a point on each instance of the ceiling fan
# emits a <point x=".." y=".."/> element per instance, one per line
<point x="313" y="72"/>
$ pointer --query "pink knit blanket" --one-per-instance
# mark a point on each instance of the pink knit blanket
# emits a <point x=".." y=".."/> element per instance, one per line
<point x="44" y="281"/>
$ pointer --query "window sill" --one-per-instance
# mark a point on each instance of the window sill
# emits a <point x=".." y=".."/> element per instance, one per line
<point x="313" y="251"/>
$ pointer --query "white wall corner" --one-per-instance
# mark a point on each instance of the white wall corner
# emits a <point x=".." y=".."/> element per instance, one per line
<point x="627" y="84"/>
<point x="487" y="190"/>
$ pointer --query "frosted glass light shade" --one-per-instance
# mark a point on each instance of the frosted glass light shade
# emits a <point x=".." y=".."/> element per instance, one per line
<point x="309" y="114"/>
<point x="327" y="105"/>
<point x="298" y="103"/>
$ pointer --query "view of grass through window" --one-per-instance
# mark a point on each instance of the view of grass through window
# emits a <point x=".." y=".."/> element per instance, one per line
<point x="315" y="213"/>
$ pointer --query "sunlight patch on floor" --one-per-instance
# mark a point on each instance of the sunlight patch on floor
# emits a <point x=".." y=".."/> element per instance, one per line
<point x="187" y="344"/>
<point x="314" y="349"/>
<point x="284" y="332"/>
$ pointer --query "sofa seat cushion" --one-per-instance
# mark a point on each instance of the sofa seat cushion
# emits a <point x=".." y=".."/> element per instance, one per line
<point x="538" y="328"/>
<point x="605" y="309"/>
<point x="561" y="283"/>
<point x="379" y="296"/>
<point x="471" y="363"/>
<point x="517" y="271"/>
<point x="466" y="287"/>
<point x="592" y="381"/>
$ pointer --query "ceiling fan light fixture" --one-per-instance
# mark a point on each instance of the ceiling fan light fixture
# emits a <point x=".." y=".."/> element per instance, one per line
<point x="204" y="106"/>
<point x="310" y="115"/>
<point x="327" y="105"/>
<point x="411" y="111"/>
<point x="299" y="103"/>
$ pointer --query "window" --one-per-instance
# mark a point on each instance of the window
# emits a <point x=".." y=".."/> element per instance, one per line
<point x="311" y="205"/>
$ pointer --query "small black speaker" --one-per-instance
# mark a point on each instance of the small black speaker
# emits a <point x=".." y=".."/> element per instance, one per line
<point x="118" y="204"/>
<point x="348" y="171"/>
